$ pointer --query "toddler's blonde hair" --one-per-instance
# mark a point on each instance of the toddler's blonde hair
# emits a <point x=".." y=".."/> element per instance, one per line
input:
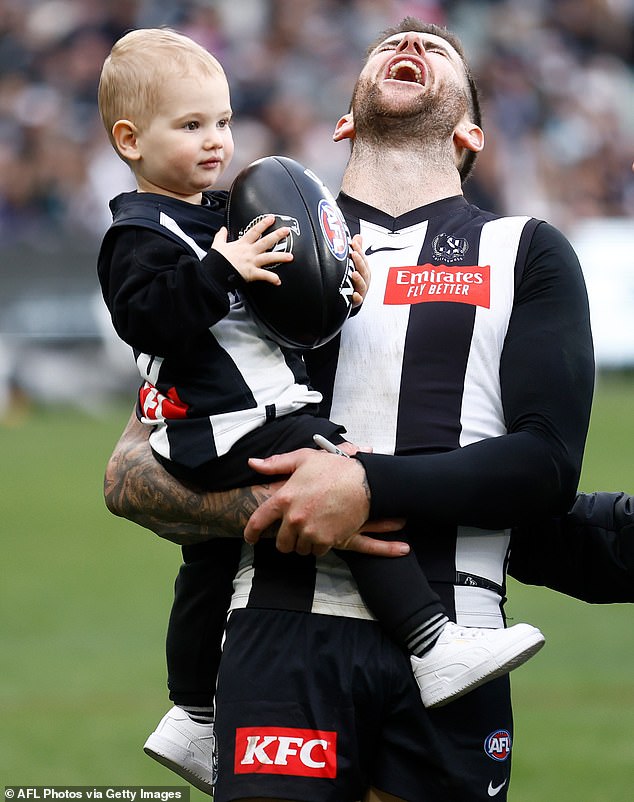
<point x="134" y="72"/>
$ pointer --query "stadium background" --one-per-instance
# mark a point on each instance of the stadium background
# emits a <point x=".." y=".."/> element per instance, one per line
<point x="85" y="596"/>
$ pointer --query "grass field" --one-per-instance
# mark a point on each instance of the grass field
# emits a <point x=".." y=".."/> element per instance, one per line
<point x="85" y="599"/>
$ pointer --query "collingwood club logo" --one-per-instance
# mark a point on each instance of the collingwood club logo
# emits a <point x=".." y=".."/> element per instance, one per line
<point x="285" y="245"/>
<point x="448" y="248"/>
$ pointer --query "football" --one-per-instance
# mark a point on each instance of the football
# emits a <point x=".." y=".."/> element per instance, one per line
<point x="314" y="299"/>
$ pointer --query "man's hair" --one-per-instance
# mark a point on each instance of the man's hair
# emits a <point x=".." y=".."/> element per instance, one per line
<point x="417" y="25"/>
<point x="133" y="74"/>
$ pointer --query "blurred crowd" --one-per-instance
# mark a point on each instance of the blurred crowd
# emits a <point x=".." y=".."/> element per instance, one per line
<point x="557" y="78"/>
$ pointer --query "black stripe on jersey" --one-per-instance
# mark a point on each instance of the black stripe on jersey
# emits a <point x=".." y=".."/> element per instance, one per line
<point x="289" y="579"/>
<point x="432" y="376"/>
<point x="194" y="441"/>
<point x="435" y="357"/>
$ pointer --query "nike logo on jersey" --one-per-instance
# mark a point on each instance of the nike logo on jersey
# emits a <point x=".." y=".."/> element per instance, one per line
<point x="370" y="251"/>
<point x="494" y="790"/>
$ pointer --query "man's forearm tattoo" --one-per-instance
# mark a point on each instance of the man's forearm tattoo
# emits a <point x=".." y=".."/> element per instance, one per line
<point x="137" y="488"/>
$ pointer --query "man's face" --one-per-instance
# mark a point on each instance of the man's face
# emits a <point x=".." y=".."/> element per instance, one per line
<point x="413" y="84"/>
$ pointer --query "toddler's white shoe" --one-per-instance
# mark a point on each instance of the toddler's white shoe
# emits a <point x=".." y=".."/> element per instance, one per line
<point x="465" y="657"/>
<point x="184" y="746"/>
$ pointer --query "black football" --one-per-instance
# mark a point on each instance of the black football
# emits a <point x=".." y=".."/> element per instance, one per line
<point x="314" y="299"/>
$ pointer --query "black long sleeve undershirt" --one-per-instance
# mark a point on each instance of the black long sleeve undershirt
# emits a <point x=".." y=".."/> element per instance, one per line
<point x="547" y="378"/>
<point x="160" y="297"/>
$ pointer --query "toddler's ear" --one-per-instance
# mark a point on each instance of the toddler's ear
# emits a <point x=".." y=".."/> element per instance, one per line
<point x="125" y="138"/>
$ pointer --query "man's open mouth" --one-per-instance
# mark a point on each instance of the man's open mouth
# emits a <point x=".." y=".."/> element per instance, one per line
<point x="408" y="71"/>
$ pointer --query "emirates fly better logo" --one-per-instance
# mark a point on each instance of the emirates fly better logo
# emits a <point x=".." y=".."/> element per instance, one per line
<point x="424" y="283"/>
<point x="285" y="750"/>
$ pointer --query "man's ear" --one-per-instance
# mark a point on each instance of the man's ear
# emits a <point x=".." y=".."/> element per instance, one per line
<point x="125" y="135"/>
<point x="469" y="136"/>
<point x="344" y="128"/>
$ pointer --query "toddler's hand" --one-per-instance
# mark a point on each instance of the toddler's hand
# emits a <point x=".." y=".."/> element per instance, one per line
<point x="361" y="276"/>
<point x="250" y="254"/>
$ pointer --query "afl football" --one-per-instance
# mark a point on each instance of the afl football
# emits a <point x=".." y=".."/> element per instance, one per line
<point x="314" y="299"/>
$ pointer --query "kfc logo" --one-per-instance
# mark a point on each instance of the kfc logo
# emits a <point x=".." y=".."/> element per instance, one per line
<point x="285" y="750"/>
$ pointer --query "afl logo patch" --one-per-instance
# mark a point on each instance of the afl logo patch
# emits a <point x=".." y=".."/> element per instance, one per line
<point x="497" y="745"/>
<point x="334" y="229"/>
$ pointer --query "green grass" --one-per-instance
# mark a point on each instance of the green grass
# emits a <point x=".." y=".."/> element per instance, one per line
<point x="574" y="702"/>
<point x="84" y="600"/>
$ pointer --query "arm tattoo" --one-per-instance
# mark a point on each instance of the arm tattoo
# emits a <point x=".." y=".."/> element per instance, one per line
<point x="136" y="487"/>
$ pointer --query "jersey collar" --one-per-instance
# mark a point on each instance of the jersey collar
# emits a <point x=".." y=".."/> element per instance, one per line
<point x="356" y="208"/>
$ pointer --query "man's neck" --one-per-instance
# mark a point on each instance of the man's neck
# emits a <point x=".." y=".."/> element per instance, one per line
<point x="397" y="181"/>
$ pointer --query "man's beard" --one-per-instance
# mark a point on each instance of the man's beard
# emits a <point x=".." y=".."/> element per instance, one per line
<point x="428" y="119"/>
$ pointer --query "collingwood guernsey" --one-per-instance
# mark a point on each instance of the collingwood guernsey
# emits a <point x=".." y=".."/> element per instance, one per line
<point x="210" y="376"/>
<point x="442" y="361"/>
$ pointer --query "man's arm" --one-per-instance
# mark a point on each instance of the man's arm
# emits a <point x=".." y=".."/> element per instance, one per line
<point x="136" y="487"/>
<point x="587" y="554"/>
<point x="546" y="382"/>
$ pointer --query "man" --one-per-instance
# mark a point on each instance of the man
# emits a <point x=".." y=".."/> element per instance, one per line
<point x="472" y="363"/>
<point x="587" y="553"/>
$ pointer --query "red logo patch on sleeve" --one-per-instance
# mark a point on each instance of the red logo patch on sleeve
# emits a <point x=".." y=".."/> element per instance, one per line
<point x="285" y="750"/>
<point x="156" y="406"/>
<point x="424" y="283"/>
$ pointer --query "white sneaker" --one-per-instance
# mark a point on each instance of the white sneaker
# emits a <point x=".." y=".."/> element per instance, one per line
<point x="184" y="746"/>
<point x="465" y="657"/>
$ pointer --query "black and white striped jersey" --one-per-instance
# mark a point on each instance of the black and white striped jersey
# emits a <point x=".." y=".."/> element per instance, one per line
<point x="471" y="359"/>
<point x="209" y="374"/>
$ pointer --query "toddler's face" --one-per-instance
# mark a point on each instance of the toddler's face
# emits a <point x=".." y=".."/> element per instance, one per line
<point x="188" y="143"/>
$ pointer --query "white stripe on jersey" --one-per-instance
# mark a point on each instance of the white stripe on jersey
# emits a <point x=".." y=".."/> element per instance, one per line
<point x="479" y="553"/>
<point x="149" y="367"/>
<point x="369" y="379"/>
<point x="335" y="593"/>
<point x="264" y="369"/>
<point x="477" y="607"/>
<point x="481" y="414"/>
<point x="172" y="225"/>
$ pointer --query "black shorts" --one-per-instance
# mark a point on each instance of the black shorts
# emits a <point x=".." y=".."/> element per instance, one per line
<point x="320" y="708"/>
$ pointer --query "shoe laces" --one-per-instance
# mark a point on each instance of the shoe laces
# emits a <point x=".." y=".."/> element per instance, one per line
<point x="469" y="632"/>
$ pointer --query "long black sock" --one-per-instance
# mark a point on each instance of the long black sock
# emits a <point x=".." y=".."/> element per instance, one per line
<point x="423" y="638"/>
<point x="398" y="593"/>
<point x="201" y="715"/>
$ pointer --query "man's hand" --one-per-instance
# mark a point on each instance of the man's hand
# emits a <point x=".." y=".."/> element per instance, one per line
<point x="324" y="504"/>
